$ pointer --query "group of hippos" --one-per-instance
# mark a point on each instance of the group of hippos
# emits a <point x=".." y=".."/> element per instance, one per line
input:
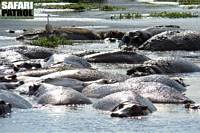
<point x="33" y="75"/>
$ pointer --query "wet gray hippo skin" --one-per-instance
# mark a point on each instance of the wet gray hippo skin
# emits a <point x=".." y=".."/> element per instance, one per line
<point x="163" y="66"/>
<point x="74" y="83"/>
<point x="68" y="33"/>
<point x="27" y="65"/>
<point x="117" y="57"/>
<point x="125" y="104"/>
<point x="31" y="52"/>
<point x="67" y="59"/>
<point x="85" y="75"/>
<point x="10" y="86"/>
<point x="57" y="95"/>
<point x="8" y="57"/>
<point x="5" y="108"/>
<point x="160" y="79"/>
<point x="156" y="92"/>
<point x="67" y="82"/>
<point x="173" y="40"/>
<point x="137" y="38"/>
<point x="8" y="78"/>
<point x="15" y="100"/>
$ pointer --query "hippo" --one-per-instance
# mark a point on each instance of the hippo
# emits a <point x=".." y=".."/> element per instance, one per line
<point x="137" y="38"/>
<point x="173" y="40"/>
<point x="117" y="57"/>
<point x="10" y="85"/>
<point x="67" y="82"/>
<point x="27" y="65"/>
<point x="6" y="69"/>
<point x="66" y="32"/>
<point x="164" y="79"/>
<point x="31" y="52"/>
<point x="5" y="108"/>
<point x="8" y="78"/>
<point x="125" y="104"/>
<point x="40" y="72"/>
<point x="74" y="83"/>
<point x="85" y="75"/>
<point x="57" y="95"/>
<point x="8" y="57"/>
<point x="111" y="34"/>
<point x="163" y="66"/>
<point x="66" y="59"/>
<point x="15" y="100"/>
<point x="154" y="91"/>
<point x="192" y="106"/>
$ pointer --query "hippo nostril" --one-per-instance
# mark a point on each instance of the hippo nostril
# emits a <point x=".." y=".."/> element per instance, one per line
<point x="114" y="115"/>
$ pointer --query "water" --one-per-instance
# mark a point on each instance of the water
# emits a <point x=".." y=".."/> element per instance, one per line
<point x="168" y="118"/>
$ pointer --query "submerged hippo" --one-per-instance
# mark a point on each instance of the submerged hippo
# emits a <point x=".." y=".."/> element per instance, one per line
<point x="5" y="108"/>
<point x="164" y="79"/>
<point x="31" y="52"/>
<point x="66" y="59"/>
<point x="57" y="95"/>
<point x="66" y="32"/>
<point x="27" y="65"/>
<point x="15" y="100"/>
<point x="85" y="75"/>
<point x="163" y="66"/>
<point x="111" y="34"/>
<point x="117" y="57"/>
<point x="173" y="40"/>
<point x="10" y="86"/>
<point x="156" y="92"/>
<point x="125" y="104"/>
<point x="74" y="83"/>
<point x="8" y="57"/>
<point x="137" y="38"/>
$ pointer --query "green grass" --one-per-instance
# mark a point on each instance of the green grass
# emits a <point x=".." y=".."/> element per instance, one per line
<point x="83" y="7"/>
<point x="51" y="42"/>
<point x="133" y="15"/>
<point x="189" y="2"/>
<point x="173" y="15"/>
<point x="136" y="15"/>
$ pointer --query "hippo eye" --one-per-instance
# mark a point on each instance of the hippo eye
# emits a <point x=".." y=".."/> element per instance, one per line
<point x="120" y="106"/>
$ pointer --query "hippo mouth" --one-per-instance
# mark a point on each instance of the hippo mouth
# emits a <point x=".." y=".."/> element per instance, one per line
<point x="127" y="109"/>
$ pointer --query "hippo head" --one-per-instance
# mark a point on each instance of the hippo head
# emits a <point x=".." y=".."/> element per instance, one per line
<point x="127" y="109"/>
<point x="132" y="39"/>
<point x="5" y="108"/>
<point x="33" y="89"/>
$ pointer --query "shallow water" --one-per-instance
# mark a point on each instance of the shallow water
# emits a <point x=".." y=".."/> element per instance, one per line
<point x="168" y="118"/>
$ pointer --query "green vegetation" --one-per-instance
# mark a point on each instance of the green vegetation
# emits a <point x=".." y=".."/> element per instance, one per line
<point x="51" y="42"/>
<point x="136" y="15"/>
<point x="189" y="2"/>
<point x="83" y="7"/>
<point x="173" y="15"/>
<point x="133" y="15"/>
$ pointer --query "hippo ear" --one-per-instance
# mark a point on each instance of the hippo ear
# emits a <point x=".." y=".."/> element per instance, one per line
<point x="144" y="108"/>
<point x="2" y="102"/>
